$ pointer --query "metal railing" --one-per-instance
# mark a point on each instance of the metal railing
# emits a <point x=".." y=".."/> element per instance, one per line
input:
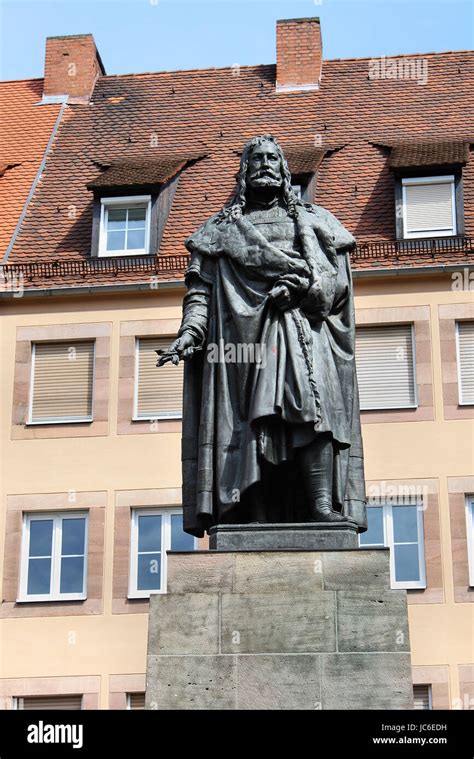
<point x="91" y="268"/>
<point x="428" y="247"/>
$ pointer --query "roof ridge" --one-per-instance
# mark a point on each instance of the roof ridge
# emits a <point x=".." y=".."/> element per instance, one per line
<point x="211" y="69"/>
<point x="27" y="79"/>
<point x="398" y="55"/>
<point x="189" y="71"/>
<point x="249" y="65"/>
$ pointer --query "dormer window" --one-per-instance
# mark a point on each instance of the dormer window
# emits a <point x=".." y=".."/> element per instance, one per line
<point x="132" y="201"/>
<point x="429" y="206"/>
<point x="428" y="183"/>
<point x="125" y="226"/>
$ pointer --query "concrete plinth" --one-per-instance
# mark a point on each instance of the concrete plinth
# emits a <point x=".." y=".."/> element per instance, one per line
<point x="279" y="630"/>
<point x="312" y="536"/>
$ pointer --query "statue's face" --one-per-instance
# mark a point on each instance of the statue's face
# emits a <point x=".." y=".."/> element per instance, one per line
<point x="264" y="167"/>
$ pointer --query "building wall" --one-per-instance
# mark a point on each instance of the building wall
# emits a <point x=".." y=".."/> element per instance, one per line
<point x="98" y="647"/>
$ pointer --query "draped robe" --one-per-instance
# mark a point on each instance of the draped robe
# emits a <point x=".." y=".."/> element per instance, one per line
<point x="238" y="414"/>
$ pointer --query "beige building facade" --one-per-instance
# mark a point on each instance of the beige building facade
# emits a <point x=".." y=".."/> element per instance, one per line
<point x="96" y="646"/>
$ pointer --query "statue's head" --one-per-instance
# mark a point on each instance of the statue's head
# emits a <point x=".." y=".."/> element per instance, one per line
<point x="262" y="160"/>
<point x="262" y="167"/>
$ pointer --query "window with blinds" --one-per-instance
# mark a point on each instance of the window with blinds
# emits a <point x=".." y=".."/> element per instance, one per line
<point x="465" y="346"/>
<point x="62" y="382"/>
<point x="158" y="391"/>
<point x="385" y="364"/>
<point x="422" y="697"/>
<point x="61" y="703"/>
<point x="135" y="700"/>
<point x="429" y="208"/>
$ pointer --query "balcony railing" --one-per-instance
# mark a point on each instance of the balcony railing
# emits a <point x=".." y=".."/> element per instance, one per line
<point x="149" y="266"/>
<point x="428" y="247"/>
<point x="95" y="267"/>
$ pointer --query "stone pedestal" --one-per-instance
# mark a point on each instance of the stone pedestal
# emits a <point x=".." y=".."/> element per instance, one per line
<point x="279" y="630"/>
<point x="313" y="536"/>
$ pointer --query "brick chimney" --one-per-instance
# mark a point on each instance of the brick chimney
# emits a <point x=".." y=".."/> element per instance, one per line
<point x="72" y="66"/>
<point x="299" y="54"/>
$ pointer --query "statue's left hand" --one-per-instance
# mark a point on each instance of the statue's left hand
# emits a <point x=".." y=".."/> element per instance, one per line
<point x="281" y="297"/>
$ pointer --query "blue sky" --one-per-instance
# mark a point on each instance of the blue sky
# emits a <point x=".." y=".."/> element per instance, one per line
<point x="157" y="35"/>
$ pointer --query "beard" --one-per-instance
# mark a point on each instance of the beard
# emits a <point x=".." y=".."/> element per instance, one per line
<point x="265" y="179"/>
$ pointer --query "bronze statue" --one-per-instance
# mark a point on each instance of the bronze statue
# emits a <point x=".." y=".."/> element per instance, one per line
<point x="271" y="422"/>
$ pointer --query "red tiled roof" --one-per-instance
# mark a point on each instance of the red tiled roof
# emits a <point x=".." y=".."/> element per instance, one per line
<point x="213" y="111"/>
<point x="306" y="160"/>
<point x="429" y="154"/>
<point x="25" y="129"/>
<point x="140" y="173"/>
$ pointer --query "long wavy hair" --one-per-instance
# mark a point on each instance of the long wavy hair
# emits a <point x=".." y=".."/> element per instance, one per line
<point x="234" y="209"/>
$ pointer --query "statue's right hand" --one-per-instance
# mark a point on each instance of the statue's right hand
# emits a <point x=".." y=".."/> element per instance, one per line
<point x="182" y="348"/>
<point x="184" y="345"/>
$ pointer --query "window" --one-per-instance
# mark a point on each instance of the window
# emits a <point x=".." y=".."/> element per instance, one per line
<point x="465" y="361"/>
<point x="62" y="380"/>
<point x="303" y="185"/>
<point x="385" y="361"/>
<point x="158" y="392"/>
<point x="428" y="206"/>
<point x="135" y="701"/>
<point x="125" y="226"/>
<point x="422" y="697"/>
<point x="53" y="557"/>
<point x="399" y="528"/>
<point x="61" y="703"/>
<point x="154" y="531"/>
<point x="297" y="188"/>
<point x="470" y="537"/>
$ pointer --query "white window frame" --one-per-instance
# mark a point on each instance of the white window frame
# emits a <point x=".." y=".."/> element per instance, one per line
<point x="129" y="201"/>
<point x="415" y="403"/>
<point x="166" y="514"/>
<point x="389" y="543"/>
<point x="66" y="419"/>
<point x="458" y="369"/>
<point x="164" y="415"/>
<point x="55" y="594"/>
<point x="444" y="179"/>
<point x="470" y="537"/>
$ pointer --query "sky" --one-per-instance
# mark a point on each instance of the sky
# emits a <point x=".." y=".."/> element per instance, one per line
<point x="165" y="35"/>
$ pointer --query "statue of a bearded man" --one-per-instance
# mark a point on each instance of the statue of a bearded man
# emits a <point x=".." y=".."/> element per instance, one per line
<point x="271" y="422"/>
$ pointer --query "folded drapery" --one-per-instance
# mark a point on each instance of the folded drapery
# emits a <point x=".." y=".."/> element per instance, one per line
<point x="291" y="374"/>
